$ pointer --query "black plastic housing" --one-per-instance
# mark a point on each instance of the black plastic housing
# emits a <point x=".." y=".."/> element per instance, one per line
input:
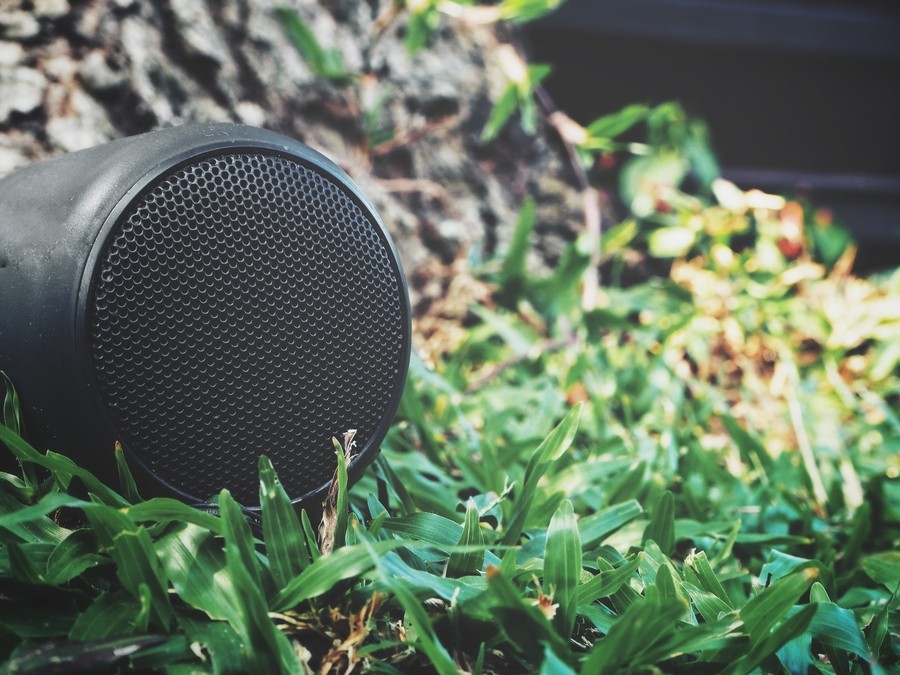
<point x="56" y="218"/>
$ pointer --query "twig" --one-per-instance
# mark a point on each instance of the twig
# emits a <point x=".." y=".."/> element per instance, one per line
<point x="593" y="224"/>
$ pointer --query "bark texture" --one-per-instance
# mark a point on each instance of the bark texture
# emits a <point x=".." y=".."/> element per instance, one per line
<point x="77" y="73"/>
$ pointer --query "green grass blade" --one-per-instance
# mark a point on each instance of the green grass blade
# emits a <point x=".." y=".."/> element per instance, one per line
<point x="552" y="447"/>
<point x="770" y="643"/>
<point x="513" y="270"/>
<point x="562" y="567"/>
<point x="59" y="464"/>
<point x="131" y="549"/>
<point x="699" y="572"/>
<point x="195" y="564"/>
<point x="30" y="523"/>
<point x="219" y="640"/>
<point x="238" y="536"/>
<point x="282" y="532"/>
<point x="644" y="624"/>
<point x="593" y="529"/>
<point x="72" y="556"/>
<point x="11" y="410"/>
<point x="468" y="562"/>
<point x="328" y="571"/>
<point x="607" y="582"/>
<point x="167" y="510"/>
<point x="771" y="605"/>
<point x="661" y="527"/>
<point x="426" y="527"/>
<point x="110" y="615"/>
<point x="126" y="479"/>
<point x="266" y="649"/>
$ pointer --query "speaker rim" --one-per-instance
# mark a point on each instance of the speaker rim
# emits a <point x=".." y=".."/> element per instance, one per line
<point x="287" y="149"/>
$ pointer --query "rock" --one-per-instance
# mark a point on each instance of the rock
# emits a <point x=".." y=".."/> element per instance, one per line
<point x="18" y="25"/>
<point x="87" y="125"/>
<point x="11" y="53"/>
<point x="21" y="90"/>
<point x="96" y="74"/>
<point x="50" y="9"/>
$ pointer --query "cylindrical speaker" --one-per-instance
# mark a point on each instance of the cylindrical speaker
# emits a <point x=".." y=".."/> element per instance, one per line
<point x="203" y="295"/>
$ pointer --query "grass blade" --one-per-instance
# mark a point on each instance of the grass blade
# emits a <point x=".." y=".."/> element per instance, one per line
<point x="661" y="527"/>
<point x="552" y="447"/>
<point x="285" y="543"/>
<point x="562" y="566"/>
<point x="469" y="562"/>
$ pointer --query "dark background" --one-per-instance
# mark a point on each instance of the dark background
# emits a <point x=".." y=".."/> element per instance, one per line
<point x="801" y="96"/>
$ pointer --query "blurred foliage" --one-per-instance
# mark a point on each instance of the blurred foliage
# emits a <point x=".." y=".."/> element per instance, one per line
<point x="697" y="471"/>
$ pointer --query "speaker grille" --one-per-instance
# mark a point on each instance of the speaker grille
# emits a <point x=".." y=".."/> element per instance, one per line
<point x="246" y="305"/>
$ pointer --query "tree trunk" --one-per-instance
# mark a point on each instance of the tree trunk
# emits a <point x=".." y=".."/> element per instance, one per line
<point x="77" y="73"/>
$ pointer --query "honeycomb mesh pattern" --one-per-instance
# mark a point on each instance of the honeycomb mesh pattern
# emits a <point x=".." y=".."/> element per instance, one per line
<point x="246" y="305"/>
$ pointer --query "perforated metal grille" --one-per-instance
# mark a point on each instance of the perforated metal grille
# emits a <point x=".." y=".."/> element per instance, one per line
<point x="246" y="305"/>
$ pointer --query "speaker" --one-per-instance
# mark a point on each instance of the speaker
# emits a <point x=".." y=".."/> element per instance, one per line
<point x="203" y="295"/>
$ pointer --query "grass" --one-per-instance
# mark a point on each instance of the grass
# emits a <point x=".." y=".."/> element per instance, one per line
<point x="699" y="474"/>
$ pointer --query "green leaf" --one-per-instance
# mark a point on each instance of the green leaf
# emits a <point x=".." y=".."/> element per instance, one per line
<point x="607" y="582"/>
<point x="614" y="124"/>
<point x="553" y="665"/>
<point x="427" y="641"/>
<point x="72" y="556"/>
<point x="59" y="465"/>
<point x="698" y="571"/>
<point x="772" y="604"/>
<point x="421" y="25"/>
<point x="501" y="112"/>
<point x="596" y="527"/>
<point x="21" y="568"/>
<point x="513" y="271"/>
<point x="527" y="628"/>
<point x="884" y="568"/>
<point x="194" y="562"/>
<point x="562" y="566"/>
<point x="166" y="510"/>
<point x="41" y="620"/>
<point x="132" y="551"/>
<point x="426" y="527"/>
<point x="322" y="62"/>
<point x="708" y="604"/>
<point x="266" y="649"/>
<point x="219" y="640"/>
<point x="552" y="447"/>
<point x="12" y="411"/>
<point x="325" y="573"/>
<point x="240" y="540"/>
<point x="769" y="643"/>
<point x="126" y="480"/>
<point x="522" y="11"/>
<point x="644" y="624"/>
<point x="837" y="627"/>
<point x="110" y="615"/>
<point x="285" y="544"/>
<point x="661" y="527"/>
<point x="30" y="523"/>
<point x="468" y="562"/>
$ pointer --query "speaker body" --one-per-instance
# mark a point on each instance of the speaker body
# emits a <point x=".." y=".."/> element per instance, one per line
<point x="203" y="295"/>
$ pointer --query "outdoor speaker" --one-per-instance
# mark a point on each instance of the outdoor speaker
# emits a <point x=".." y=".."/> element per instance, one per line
<point x="203" y="295"/>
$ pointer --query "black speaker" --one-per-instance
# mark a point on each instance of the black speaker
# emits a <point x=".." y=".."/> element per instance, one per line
<point x="203" y="295"/>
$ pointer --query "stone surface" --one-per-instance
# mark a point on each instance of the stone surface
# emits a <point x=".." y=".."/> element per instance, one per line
<point x="406" y="127"/>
